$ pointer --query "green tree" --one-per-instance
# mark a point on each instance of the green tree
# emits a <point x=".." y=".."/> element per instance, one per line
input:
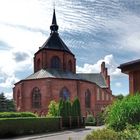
<point x="123" y="112"/>
<point x="61" y="108"/>
<point x="76" y="109"/>
<point x="3" y="103"/>
<point x="10" y="105"/>
<point x="6" y="105"/>
<point x="68" y="107"/>
<point x="53" y="108"/>
<point x="119" y="97"/>
<point x="64" y="108"/>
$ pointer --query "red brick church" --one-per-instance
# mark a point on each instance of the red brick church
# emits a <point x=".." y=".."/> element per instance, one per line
<point x="55" y="77"/>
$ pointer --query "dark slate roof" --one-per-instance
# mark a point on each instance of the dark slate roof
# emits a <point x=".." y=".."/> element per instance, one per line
<point x="94" y="78"/>
<point x="54" y="42"/>
<point x="134" y="62"/>
<point x="52" y="73"/>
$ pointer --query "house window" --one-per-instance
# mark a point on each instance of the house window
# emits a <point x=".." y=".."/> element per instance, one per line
<point x="55" y="63"/>
<point x="98" y="94"/>
<point x="70" y="65"/>
<point x="64" y="94"/>
<point x="87" y="99"/>
<point x="36" y="98"/>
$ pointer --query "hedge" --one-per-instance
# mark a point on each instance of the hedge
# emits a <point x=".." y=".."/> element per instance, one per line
<point x="16" y="114"/>
<point x="20" y="126"/>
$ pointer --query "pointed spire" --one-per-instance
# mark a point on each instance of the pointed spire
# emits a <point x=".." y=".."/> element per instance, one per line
<point x="54" y="26"/>
<point x="54" y="18"/>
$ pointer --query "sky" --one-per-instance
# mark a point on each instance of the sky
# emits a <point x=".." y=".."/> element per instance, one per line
<point x="94" y="30"/>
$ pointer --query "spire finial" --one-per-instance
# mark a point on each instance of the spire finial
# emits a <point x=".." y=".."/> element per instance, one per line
<point x="54" y="26"/>
<point x="54" y="5"/>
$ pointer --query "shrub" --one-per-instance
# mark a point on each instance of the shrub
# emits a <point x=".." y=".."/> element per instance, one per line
<point x="16" y="114"/>
<point x="76" y="109"/>
<point x="100" y="120"/>
<point x="68" y="108"/>
<point x="20" y="126"/>
<point x="53" y="109"/>
<point x="90" y="120"/>
<point x="123" y="112"/>
<point x="130" y="133"/>
<point x="61" y="108"/>
<point x="104" y="134"/>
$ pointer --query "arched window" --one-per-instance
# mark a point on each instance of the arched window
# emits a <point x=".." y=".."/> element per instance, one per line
<point x="64" y="94"/>
<point x="70" y="65"/>
<point x="107" y="96"/>
<point x="38" y="64"/>
<point x="98" y="94"/>
<point x="87" y="99"/>
<point x="103" y="95"/>
<point x="55" y="62"/>
<point x="36" y="98"/>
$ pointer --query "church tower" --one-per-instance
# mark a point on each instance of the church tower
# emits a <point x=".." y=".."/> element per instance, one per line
<point x="55" y="78"/>
<point x="54" y="54"/>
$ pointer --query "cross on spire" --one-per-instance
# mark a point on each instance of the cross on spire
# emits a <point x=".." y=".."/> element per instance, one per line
<point x="54" y="26"/>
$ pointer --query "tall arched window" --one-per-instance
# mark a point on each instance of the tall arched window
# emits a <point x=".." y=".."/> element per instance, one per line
<point x="98" y="94"/>
<point x="107" y="96"/>
<point x="64" y="94"/>
<point x="70" y="65"/>
<point x="103" y="96"/>
<point x="36" y="98"/>
<point x="55" y="62"/>
<point x="87" y="99"/>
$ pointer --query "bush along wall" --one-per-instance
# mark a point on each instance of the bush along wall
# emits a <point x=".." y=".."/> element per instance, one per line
<point x="16" y="114"/>
<point x="21" y="126"/>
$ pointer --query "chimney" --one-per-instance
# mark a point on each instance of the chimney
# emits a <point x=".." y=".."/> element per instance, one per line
<point x="102" y="67"/>
<point x="104" y="72"/>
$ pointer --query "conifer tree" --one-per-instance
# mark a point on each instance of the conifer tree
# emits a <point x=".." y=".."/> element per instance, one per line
<point x="3" y="103"/>
<point x="76" y="109"/>
<point x="61" y="108"/>
<point x="6" y="104"/>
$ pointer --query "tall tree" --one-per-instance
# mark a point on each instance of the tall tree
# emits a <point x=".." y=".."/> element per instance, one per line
<point x="6" y="104"/>
<point x="3" y="103"/>
<point x="76" y="109"/>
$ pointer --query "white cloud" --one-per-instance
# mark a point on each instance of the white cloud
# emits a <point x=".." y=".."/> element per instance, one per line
<point x="8" y="95"/>
<point x="96" y="68"/>
<point x="118" y="84"/>
<point x="9" y="81"/>
<point x="127" y="31"/>
<point x="9" y="67"/>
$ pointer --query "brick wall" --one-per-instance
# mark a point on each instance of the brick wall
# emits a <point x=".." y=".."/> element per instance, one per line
<point x="50" y="89"/>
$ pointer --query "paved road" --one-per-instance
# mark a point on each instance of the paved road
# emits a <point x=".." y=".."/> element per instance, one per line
<point x="75" y="134"/>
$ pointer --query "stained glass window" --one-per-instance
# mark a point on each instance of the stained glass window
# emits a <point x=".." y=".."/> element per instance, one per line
<point x="36" y="98"/>
<point x="64" y="94"/>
